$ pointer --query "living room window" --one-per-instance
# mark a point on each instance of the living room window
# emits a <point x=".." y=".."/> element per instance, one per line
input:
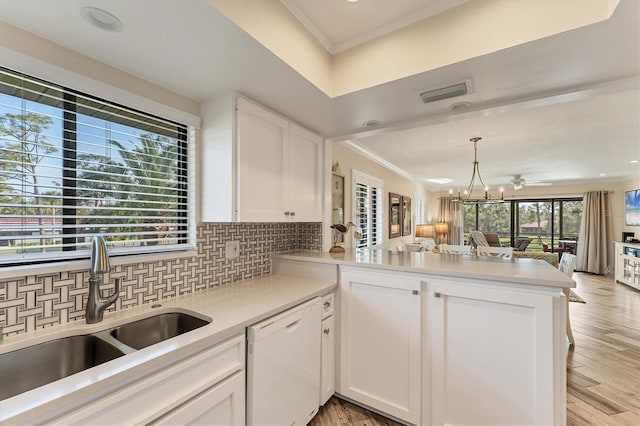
<point x="367" y="208"/>
<point x="552" y="224"/>
<point x="74" y="165"/>
<point x="488" y="218"/>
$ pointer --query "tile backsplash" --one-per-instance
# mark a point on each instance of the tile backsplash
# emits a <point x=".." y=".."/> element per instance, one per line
<point x="38" y="301"/>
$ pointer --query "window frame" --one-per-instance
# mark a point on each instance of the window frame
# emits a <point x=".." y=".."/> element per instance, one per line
<point x="358" y="177"/>
<point x="186" y="140"/>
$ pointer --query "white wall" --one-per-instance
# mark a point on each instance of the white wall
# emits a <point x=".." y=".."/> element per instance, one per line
<point x="350" y="160"/>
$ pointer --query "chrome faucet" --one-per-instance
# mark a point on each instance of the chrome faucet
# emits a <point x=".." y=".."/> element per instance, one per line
<point x="99" y="266"/>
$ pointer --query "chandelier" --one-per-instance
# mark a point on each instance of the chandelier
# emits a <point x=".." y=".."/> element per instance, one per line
<point x="481" y="196"/>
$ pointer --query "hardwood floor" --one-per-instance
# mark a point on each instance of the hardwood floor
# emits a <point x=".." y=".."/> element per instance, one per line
<point x="603" y="369"/>
<point x="337" y="412"/>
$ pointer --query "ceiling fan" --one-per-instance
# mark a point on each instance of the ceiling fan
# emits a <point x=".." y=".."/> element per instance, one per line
<point x="519" y="182"/>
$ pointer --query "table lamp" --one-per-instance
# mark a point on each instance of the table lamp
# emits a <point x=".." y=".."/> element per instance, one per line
<point x="426" y="232"/>
<point x="442" y="229"/>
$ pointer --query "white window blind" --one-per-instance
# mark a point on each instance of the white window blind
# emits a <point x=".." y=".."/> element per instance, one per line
<point x="367" y="208"/>
<point x="419" y="210"/>
<point x="73" y="166"/>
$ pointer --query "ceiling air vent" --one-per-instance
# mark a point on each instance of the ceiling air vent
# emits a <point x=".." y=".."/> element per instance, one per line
<point x="450" y="91"/>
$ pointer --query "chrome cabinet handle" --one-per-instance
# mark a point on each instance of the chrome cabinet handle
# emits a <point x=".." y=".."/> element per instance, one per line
<point x="327" y="305"/>
<point x="326" y="331"/>
<point x="437" y="294"/>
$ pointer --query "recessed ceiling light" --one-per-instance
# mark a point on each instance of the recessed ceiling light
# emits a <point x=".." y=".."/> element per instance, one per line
<point x="439" y="181"/>
<point x="101" y="19"/>
<point x="352" y="1"/>
<point x="634" y="161"/>
<point x="603" y="174"/>
<point x="459" y="105"/>
<point x="371" y="123"/>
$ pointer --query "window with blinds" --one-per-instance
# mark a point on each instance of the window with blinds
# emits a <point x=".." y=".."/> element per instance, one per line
<point x="368" y="208"/>
<point x="73" y="166"/>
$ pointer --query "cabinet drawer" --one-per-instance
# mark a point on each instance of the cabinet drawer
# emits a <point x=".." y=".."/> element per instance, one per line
<point x="147" y="399"/>
<point x="222" y="404"/>
<point x="327" y="305"/>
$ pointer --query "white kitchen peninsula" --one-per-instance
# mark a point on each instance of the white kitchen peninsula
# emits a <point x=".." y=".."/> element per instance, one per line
<point x="446" y="339"/>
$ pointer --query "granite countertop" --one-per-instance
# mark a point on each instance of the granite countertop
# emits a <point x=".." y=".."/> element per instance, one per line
<point x="514" y="271"/>
<point x="231" y="308"/>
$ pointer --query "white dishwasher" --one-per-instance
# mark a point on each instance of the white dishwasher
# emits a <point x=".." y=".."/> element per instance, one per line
<point x="283" y="367"/>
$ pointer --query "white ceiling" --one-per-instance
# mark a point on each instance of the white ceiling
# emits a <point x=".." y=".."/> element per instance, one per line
<point x="340" y="24"/>
<point x="562" y="109"/>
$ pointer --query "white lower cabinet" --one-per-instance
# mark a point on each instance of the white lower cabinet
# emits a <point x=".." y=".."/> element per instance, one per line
<point x="380" y="341"/>
<point x="223" y="405"/>
<point x="496" y="355"/>
<point x="327" y="377"/>
<point x="464" y="352"/>
<point x="181" y="391"/>
<point x="628" y="264"/>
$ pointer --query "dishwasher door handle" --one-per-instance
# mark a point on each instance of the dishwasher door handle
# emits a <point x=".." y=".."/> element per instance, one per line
<point x="293" y="325"/>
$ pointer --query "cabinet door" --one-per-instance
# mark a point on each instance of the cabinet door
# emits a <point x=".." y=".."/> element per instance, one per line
<point x="631" y="270"/>
<point x="263" y="139"/>
<point x="380" y="341"/>
<point x="304" y="177"/>
<point x="222" y="405"/>
<point x="492" y="355"/>
<point x="328" y="369"/>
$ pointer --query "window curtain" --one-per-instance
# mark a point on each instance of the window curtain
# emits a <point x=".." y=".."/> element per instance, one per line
<point x="595" y="234"/>
<point x="450" y="213"/>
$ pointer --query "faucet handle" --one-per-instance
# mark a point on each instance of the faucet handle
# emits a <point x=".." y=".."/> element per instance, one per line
<point x="113" y="297"/>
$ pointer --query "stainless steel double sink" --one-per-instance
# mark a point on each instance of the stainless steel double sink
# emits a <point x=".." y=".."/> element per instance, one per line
<point x="34" y="366"/>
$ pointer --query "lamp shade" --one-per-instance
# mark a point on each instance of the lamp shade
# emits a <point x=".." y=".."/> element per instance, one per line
<point x="442" y="227"/>
<point x="425" y="231"/>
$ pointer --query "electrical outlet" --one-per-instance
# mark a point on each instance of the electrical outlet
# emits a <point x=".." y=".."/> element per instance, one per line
<point x="232" y="249"/>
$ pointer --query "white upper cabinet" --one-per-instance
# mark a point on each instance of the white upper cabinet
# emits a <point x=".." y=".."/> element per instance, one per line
<point x="263" y="140"/>
<point x="304" y="178"/>
<point x="267" y="169"/>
